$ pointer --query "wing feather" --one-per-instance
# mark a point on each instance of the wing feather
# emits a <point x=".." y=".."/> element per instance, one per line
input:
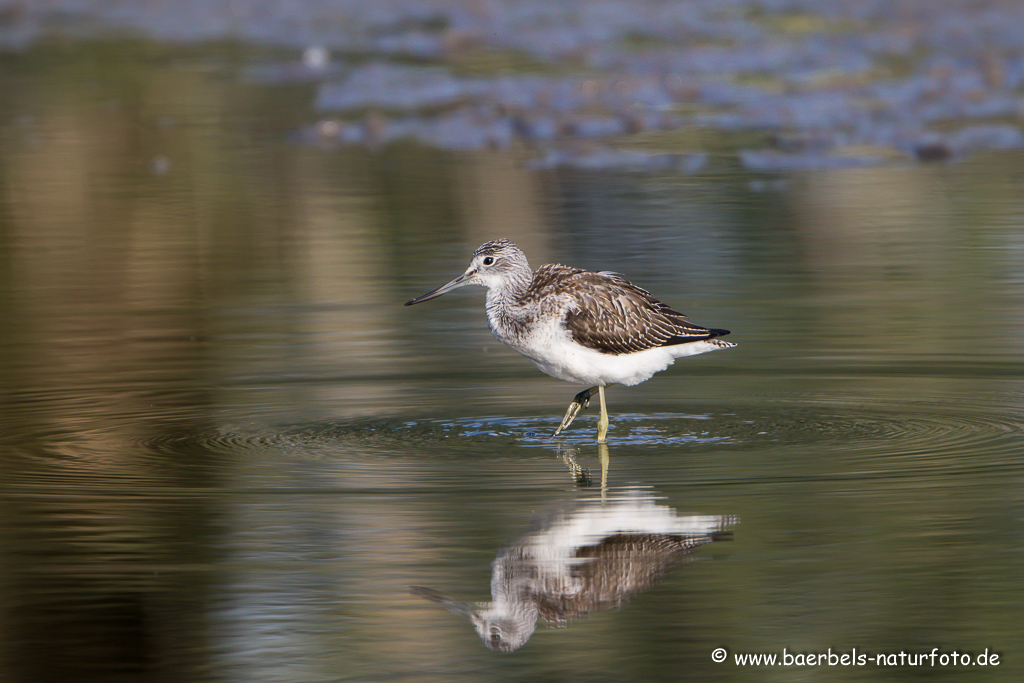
<point x="606" y="312"/>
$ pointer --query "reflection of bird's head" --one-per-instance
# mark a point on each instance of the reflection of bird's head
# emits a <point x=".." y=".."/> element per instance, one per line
<point x="501" y="630"/>
<point x="504" y="632"/>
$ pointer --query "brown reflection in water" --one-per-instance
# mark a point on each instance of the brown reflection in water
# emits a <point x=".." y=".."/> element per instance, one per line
<point x="164" y="272"/>
<point x="902" y="261"/>
<point x="500" y="198"/>
<point x="593" y="558"/>
<point x="108" y="275"/>
<point x="103" y="588"/>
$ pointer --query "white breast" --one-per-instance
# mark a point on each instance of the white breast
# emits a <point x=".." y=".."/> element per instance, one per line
<point x="550" y="347"/>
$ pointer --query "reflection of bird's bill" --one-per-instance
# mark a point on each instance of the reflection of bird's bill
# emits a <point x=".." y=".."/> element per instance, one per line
<point x="449" y="603"/>
<point x="460" y="281"/>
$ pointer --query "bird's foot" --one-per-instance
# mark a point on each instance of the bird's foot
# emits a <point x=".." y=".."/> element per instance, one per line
<point x="581" y="401"/>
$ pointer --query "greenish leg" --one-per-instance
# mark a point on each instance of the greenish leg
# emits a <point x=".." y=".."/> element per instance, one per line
<point x="581" y="401"/>
<point x="602" y="423"/>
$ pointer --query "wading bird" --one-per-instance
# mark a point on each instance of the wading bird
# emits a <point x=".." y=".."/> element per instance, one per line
<point x="581" y="326"/>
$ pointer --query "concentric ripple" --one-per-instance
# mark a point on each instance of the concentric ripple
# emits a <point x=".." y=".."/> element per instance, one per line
<point x="988" y="433"/>
<point x="907" y="431"/>
<point x="915" y="430"/>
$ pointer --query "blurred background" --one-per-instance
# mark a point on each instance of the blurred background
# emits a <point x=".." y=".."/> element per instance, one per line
<point x="227" y="450"/>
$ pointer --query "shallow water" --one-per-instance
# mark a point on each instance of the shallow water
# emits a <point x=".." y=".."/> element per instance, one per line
<point x="228" y="450"/>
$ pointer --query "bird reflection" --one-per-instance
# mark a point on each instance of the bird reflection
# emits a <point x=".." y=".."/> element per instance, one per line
<point x="591" y="558"/>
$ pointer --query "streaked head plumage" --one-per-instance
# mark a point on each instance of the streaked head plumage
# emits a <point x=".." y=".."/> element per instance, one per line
<point x="497" y="246"/>
<point x="495" y="260"/>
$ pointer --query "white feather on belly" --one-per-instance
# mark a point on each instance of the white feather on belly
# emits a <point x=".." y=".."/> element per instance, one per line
<point x="552" y="350"/>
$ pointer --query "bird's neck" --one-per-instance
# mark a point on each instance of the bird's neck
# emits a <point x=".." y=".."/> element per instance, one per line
<point x="512" y="288"/>
<point x="510" y="582"/>
<point x="506" y="314"/>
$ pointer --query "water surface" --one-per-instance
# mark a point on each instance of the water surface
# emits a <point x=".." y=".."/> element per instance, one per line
<point x="228" y="451"/>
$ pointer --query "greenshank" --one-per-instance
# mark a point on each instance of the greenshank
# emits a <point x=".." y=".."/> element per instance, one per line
<point x="581" y="326"/>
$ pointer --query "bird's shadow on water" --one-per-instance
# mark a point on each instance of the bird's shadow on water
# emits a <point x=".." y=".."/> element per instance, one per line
<point x="593" y="554"/>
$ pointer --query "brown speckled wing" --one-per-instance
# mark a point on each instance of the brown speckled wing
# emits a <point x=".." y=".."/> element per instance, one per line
<point x="614" y="571"/>
<point x="610" y="314"/>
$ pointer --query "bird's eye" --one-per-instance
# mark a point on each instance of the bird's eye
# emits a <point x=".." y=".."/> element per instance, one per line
<point x="488" y="261"/>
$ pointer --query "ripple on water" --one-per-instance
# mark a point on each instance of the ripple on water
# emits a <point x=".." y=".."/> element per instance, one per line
<point x="631" y="430"/>
<point x="926" y="435"/>
<point x="920" y="430"/>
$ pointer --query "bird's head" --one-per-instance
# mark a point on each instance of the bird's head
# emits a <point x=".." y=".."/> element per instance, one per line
<point x="493" y="265"/>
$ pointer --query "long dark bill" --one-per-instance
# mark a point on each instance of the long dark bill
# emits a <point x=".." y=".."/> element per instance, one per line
<point x="460" y="281"/>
